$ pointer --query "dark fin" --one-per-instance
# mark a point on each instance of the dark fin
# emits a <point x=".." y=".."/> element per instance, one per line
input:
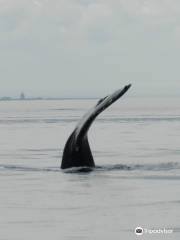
<point x="77" y="155"/>
<point x="77" y="152"/>
<point x="86" y="121"/>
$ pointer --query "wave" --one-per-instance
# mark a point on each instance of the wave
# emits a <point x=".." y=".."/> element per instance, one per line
<point x="144" y="167"/>
<point x="116" y="167"/>
<point x="74" y="118"/>
<point x="27" y="169"/>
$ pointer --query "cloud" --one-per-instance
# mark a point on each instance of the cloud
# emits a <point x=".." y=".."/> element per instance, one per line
<point x="81" y="21"/>
<point x="76" y="24"/>
<point x="89" y="39"/>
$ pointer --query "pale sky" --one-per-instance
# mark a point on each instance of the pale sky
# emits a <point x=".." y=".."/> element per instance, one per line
<point x="79" y="48"/>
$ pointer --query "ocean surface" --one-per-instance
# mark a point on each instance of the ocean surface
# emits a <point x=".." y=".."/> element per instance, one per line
<point x="136" y="147"/>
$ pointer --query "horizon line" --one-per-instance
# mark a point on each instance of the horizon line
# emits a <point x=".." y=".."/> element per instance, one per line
<point x="73" y="97"/>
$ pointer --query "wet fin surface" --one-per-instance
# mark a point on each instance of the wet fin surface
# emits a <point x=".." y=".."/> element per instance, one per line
<point x="77" y="152"/>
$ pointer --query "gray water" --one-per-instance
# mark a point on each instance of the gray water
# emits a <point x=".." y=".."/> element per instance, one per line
<point x="136" y="148"/>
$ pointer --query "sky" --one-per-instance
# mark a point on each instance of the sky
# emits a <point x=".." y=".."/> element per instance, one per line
<point x="89" y="48"/>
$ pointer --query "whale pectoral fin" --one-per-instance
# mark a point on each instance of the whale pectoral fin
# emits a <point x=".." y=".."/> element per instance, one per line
<point x="86" y="121"/>
<point x="77" y="152"/>
<point x="68" y="152"/>
<point x="86" y="154"/>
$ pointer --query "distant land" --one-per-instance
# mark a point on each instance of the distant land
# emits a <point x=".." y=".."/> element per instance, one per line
<point x="19" y="99"/>
<point x="42" y="98"/>
<point x="22" y="97"/>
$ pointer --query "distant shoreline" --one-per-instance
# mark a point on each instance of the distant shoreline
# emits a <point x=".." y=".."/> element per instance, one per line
<point x="41" y="99"/>
<point x="9" y="99"/>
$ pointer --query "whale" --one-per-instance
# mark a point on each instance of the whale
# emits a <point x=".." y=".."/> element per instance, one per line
<point x="77" y="152"/>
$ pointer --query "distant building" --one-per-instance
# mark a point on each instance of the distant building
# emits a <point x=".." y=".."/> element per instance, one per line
<point x="22" y="96"/>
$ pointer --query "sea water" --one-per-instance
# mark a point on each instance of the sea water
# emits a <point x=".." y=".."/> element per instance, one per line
<point x="136" y="147"/>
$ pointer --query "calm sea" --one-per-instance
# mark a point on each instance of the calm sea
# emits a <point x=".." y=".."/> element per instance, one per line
<point x="136" y="146"/>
